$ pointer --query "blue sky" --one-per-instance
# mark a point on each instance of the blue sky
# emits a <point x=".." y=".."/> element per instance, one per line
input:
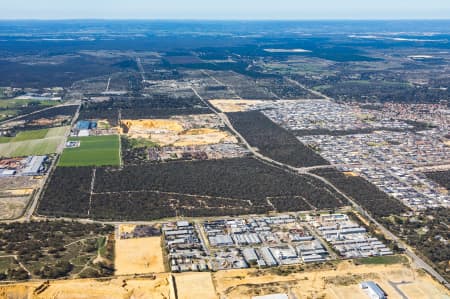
<point x="227" y="9"/>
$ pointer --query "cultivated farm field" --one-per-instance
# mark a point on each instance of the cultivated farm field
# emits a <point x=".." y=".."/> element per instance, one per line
<point x="93" y="151"/>
<point x="35" y="142"/>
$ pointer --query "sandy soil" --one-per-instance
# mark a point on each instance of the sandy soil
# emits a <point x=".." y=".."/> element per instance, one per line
<point x="340" y="283"/>
<point x="158" y="288"/>
<point x="152" y="125"/>
<point x="210" y="136"/>
<point x="126" y="228"/>
<point x="12" y="207"/>
<point x="139" y="256"/>
<point x="18" y="192"/>
<point x="25" y="182"/>
<point x="234" y="105"/>
<point x="195" y="285"/>
<point x="174" y="132"/>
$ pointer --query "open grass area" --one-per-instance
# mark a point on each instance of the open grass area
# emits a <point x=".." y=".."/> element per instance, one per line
<point x="18" y="102"/>
<point x="33" y="142"/>
<point x="382" y="260"/>
<point x="26" y="135"/>
<point x="93" y="151"/>
<point x="57" y="132"/>
<point x="30" y="147"/>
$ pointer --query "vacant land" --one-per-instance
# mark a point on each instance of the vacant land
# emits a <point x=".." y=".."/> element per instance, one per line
<point x="180" y="131"/>
<point x="341" y="281"/>
<point x="56" y="249"/>
<point x="230" y="177"/>
<point x="93" y="151"/>
<point x="26" y="135"/>
<point x="158" y="287"/>
<point x="382" y="260"/>
<point x="156" y="191"/>
<point x="195" y="285"/>
<point x="138" y="256"/>
<point x="235" y="105"/>
<point x="274" y="141"/>
<point x="34" y="142"/>
<point x="12" y="207"/>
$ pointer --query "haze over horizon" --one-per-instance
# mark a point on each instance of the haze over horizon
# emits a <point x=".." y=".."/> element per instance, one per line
<point x="225" y="10"/>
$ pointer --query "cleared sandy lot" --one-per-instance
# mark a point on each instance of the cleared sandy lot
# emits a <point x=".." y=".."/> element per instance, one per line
<point x="119" y="288"/>
<point x="234" y="105"/>
<point x="13" y="207"/>
<point x="195" y="285"/>
<point x="341" y="282"/>
<point x="139" y="256"/>
<point x="187" y="131"/>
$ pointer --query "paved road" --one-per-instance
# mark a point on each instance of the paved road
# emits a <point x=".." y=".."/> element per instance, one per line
<point x="34" y="112"/>
<point x="34" y="201"/>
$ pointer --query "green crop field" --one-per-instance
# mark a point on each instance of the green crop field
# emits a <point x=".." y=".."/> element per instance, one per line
<point x="26" y="135"/>
<point x="33" y="142"/>
<point x="93" y="151"/>
<point x="30" y="135"/>
<point x="30" y="147"/>
<point x="36" y="134"/>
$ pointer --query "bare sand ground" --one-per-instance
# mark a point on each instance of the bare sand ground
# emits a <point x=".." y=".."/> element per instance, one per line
<point x="342" y="282"/>
<point x="234" y="105"/>
<point x="12" y="207"/>
<point x="139" y="256"/>
<point x="172" y="132"/>
<point x="23" y="182"/>
<point x="195" y="285"/>
<point x="119" y="288"/>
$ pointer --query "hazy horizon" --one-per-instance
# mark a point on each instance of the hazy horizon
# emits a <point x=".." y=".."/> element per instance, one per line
<point x="220" y="10"/>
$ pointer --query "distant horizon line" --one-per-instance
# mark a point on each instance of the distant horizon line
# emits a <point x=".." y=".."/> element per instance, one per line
<point x="226" y="19"/>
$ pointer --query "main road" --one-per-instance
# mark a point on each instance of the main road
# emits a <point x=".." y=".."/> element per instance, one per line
<point x="32" y="206"/>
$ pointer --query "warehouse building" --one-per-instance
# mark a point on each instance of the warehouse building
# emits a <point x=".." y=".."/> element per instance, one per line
<point x="373" y="290"/>
<point x="34" y="165"/>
